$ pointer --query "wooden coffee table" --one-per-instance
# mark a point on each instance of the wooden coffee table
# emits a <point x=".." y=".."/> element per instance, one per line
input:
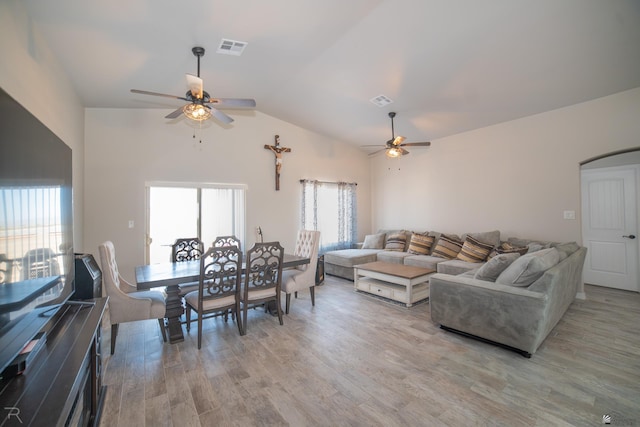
<point x="398" y="282"/>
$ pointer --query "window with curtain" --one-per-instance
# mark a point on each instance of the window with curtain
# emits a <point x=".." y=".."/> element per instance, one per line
<point x="330" y="207"/>
<point x="205" y="211"/>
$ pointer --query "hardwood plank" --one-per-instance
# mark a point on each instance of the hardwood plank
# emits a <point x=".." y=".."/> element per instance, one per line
<point x="353" y="360"/>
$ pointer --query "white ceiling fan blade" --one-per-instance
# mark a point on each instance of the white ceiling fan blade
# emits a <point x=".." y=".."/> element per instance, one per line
<point x="174" y="114"/>
<point x="417" y="144"/>
<point x="220" y="115"/>
<point x="195" y="85"/>
<point x="233" y="102"/>
<point x="146" y="92"/>
<point x="376" y="152"/>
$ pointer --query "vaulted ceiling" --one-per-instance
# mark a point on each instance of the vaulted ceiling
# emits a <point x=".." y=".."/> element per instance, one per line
<point x="449" y="66"/>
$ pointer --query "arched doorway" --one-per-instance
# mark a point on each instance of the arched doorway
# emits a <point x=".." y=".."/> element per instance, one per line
<point x="610" y="187"/>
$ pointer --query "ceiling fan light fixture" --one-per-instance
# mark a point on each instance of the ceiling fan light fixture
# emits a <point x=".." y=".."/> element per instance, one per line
<point x="394" y="152"/>
<point x="197" y="112"/>
<point x="398" y="140"/>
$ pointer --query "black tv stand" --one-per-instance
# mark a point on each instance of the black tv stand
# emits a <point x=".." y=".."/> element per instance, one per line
<point x="62" y="385"/>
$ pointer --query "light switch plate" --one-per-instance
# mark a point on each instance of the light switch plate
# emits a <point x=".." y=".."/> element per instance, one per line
<point x="569" y="214"/>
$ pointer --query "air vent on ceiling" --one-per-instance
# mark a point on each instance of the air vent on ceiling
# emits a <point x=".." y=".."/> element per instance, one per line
<point x="231" y="47"/>
<point x="381" y="100"/>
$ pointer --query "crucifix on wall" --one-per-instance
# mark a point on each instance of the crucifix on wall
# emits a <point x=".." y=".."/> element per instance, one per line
<point x="278" y="150"/>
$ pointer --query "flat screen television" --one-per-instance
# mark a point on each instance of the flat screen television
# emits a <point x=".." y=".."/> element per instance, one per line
<point x="36" y="227"/>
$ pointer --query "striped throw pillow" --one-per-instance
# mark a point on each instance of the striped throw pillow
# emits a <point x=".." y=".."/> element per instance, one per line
<point x="508" y="248"/>
<point x="474" y="250"/>
<point x="395" y="242"/>
<point x="448" y="247"/>
<point x="420" y="244"/>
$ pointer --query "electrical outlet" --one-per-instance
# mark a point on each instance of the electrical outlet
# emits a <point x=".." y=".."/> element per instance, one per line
<point x="569" y="214"/>
<point x="130" y="223"/>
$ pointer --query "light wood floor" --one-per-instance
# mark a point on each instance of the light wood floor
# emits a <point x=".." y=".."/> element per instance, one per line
<point x="354" y="360"/>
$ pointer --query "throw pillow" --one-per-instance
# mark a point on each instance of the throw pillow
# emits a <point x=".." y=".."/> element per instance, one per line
<point x="528" y="268"/>
<point x="508" y="248"/>
<point x="395" y="242"/>
<point x="491" y="237"/>
<point x="420" y="244"/>
<point x="374" y="241"/>
<point x="474" y="250"/>
<point x="448" y="247"/>
<point x="566" y="249"/>
<point x="492" y="269"/>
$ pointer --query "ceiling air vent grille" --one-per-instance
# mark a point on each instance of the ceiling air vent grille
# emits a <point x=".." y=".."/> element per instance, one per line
<point x="231" y="47"/>
<point x="381" y="100"/>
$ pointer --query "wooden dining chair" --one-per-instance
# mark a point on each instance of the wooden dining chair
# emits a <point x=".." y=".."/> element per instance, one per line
<point x="218" y="286"/>
<point x="227" y="241"/>
<point x="187" y="249"/>
<point x="262" y="278"/>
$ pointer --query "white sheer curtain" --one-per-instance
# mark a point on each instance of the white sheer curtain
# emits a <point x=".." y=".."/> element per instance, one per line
<point x="330" y="207"/>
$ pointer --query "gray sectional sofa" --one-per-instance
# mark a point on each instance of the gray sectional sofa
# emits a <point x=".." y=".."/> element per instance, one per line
<point x="518" y="316"/>
<point x="514" y="299"/>
<point x="340" y="263"/>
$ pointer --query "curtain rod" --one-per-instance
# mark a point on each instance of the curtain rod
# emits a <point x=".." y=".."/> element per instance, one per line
<point x="328" y="182"/>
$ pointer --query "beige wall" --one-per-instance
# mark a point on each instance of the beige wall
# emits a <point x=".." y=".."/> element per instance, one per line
<point x="517" y="177"/>
<point x="33" y="77"/>
<point x="127" y="148"/>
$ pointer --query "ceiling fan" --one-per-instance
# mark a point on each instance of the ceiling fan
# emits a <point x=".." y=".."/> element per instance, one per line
<point x="200" y="104"/>
<point x="395" y="144"/>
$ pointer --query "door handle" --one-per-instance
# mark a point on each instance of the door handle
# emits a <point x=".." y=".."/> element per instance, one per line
<point x="630" y="236"/>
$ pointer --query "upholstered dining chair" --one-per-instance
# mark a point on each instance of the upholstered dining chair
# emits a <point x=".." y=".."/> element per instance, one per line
<point x="187" y="249"/>
<point x="126" y="303"/>
<point x="304" y="276"/>
<point x="218" y="286"/>
<point x="263" y="276"/>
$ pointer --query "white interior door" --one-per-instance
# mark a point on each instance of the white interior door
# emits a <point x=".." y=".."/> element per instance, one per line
<point x="609" y="226"/>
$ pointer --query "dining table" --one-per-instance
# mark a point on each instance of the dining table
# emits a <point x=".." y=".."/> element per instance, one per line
<point x="171" y="274"/>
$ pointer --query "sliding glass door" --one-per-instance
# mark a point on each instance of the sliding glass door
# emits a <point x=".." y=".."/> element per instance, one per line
<point x="192" y="210"/>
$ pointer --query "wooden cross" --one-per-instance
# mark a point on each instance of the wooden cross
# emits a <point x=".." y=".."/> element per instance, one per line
<point x="278" y="150"/>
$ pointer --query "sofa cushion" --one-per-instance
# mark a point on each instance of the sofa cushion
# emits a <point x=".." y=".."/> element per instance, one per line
<point x="528" y="268"/>
<point x="420" y="244"/>
<point x="456" y="266"/>
<point x="491" y="237"/>
<point x="474" y="250"/>
<point x="533" y="245"/>
<point x="492" y="269"/>
<point x="395" y="257"/>
<point x="396" y="242"/>
<point x="424" y="261"/>
<point x="448" y="247"/>
<point x="350" y="257"/>
<point x="374" y="241"/>
<point x="566" y="249"/>
<point x="508" y="248"/>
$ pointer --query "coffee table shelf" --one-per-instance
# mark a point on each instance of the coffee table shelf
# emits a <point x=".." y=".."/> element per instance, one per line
<point x="398" y="282"/>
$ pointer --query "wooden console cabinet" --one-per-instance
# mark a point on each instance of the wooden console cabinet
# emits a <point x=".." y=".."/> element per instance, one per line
<point x="62" y="384"/>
